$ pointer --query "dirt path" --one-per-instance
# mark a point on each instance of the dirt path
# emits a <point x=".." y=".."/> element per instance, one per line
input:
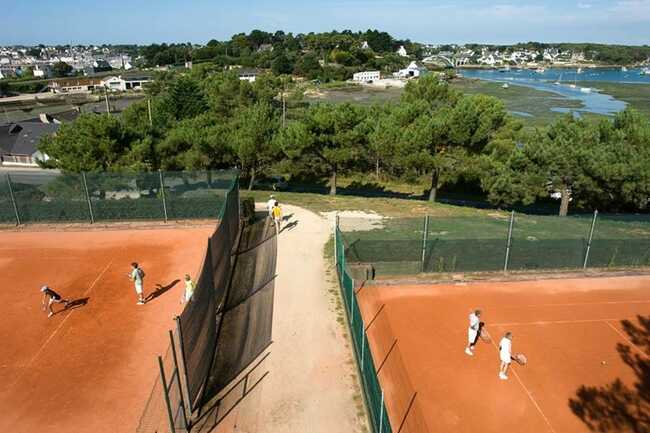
<point x="311" y="382"/>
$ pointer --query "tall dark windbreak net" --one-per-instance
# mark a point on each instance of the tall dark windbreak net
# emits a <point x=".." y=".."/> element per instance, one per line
<point x="496" y="242"/>
<point x="247" y="313"/>
<point x="200" y="318"/>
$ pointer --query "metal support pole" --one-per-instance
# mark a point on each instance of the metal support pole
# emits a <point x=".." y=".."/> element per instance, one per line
<point x="170" y="415"/>
<point x="508" y="245"/>
<point x="351" y="305"/>
<point x="363" y="345"/>
<point x="184" y="388"/>
<point x="591" y="236"/>
<point x="381" y="412"/>
<point x="90" y="206"/>
<point x="162" y="191"/>
<point x="178" y="375"/>
<point x="424" y="240"/>
<point x="336" y="239"/>
<point x="13" y="200"/>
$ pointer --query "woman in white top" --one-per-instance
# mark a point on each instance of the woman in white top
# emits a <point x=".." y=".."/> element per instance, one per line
<point x="505" y="355"/>
<point x="473" y="331"/>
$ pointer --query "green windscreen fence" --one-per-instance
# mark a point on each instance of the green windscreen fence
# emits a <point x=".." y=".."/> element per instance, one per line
<point x="379" y="421"/>
<point x="7" y="214"/>
<point x="408" y="246"/>
<point x="49" y="196"/>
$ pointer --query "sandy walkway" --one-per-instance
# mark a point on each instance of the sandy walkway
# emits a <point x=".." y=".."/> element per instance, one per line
<point x="310" y="385"/>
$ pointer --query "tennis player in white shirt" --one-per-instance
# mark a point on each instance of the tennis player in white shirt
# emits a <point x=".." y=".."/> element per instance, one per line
<point x="473" y="331"/>
<point x="505" y="355"/>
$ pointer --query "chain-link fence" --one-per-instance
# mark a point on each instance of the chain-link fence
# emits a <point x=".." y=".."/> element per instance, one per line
<point x="49" y="196"/>
<point x="496" y="242"/>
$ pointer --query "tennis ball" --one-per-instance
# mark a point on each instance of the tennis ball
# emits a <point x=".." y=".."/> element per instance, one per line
<point x="603" y="362"/>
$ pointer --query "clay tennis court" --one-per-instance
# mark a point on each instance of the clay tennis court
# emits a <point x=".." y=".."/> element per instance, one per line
<point x="89" y="368"/>
<point x="569" y="330"/>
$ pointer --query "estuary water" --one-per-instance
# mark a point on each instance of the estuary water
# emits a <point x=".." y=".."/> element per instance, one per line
<point x="566" y="82"/>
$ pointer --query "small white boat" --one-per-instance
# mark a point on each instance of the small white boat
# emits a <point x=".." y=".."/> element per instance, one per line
<point x="579" y="70"/>
<point x="559" y="80"/>
<point x="540" y="70"/>
<point x="573" y="86"/>
<point x="505" y="86"/>
<point x="623" y="69"/>
<point x="645" y="71"/>
<point x="585" y="89"/>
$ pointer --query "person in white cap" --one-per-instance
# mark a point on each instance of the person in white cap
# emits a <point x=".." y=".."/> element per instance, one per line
<point x="51" y="297"/>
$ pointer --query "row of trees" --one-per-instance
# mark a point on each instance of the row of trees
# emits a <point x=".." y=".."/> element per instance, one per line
<point x="213" y="120"/>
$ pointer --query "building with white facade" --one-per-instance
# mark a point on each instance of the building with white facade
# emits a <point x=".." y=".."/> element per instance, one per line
<point x="366" y="76"/>
<point x="402" y="51"/>
<point x="413" y="70"/>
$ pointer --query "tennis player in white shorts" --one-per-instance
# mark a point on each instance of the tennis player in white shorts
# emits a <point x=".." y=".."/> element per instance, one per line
<point x="505" y="355"/>
<point x="472" y="331"/>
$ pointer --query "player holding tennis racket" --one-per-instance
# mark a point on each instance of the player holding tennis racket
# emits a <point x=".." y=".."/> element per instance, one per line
<point x="505" y="355"/>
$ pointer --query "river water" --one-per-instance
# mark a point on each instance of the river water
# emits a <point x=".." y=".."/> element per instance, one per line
<point x="566" y="82"/>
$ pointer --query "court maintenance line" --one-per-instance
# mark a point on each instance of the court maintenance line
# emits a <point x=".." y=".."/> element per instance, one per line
<point x="530" y="396"/>
<point x="58" y="328"/>
<point x="627" y="340"/>
<point x="579" y="304"/>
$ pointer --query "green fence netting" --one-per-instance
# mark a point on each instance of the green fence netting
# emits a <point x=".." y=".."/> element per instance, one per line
<point x="50" y="196"/>
<point x="369" y="380"/>
<point x="7" y="214"/>
<point x="408" y="246"/>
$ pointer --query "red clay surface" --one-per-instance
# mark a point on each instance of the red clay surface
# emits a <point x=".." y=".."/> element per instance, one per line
<point x="91" y="368"/>
<point x="566" y="328"/>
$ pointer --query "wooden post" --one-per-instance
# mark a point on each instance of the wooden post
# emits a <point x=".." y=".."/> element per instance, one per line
<point x="90" y="206"/>
<point x="424" y="240"/>
<point x="162" y="191"/>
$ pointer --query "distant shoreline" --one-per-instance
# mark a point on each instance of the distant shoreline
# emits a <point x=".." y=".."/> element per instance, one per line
<point x="565" y="66"/>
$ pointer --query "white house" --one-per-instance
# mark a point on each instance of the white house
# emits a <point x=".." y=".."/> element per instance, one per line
<point x="114" y="84"/>
<point x="413" y="70"/>
<point x="126" y="82"/>
<point x="402" y="51"/>
<point x="365" y="45"/>
<point x="366" y="76"/>
<point x="42" y="71"/>
<point x="249" y="75"/>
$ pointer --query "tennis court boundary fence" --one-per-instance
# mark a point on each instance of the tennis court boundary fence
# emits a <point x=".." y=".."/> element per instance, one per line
<point x="381" y="421"/>
<point x="490" y="243"/>
<point x="46" y="196"/>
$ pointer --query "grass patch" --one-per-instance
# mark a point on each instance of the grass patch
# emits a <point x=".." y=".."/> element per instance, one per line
<point x="636" y="95"/>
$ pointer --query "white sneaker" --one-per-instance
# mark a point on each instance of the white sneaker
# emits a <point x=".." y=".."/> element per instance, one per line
<point x="469" y="352"/>
<point x="503" y="376"/>
<point x="140" y="303"/>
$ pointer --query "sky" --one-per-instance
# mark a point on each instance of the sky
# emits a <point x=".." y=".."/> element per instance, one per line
<point x="445" y="21"/>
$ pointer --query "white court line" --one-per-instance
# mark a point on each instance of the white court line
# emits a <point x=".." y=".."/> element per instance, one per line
<point x="579" y="304"/>
<point x="627" y="339"/>
<point x="530" y="396"/>
<point x="31" y="361"/>
<point x="554" y="322"/>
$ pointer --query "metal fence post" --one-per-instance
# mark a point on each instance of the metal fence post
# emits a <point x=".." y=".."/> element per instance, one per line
<point x="90" y="206"/>
<point x="170" y="414"/>
<point x="381" y="412"/>
<point x="591" y="236"/>
<point x="336" y="240"/>
<point x="363" y="344"/>
<point x="424" y="240"/>
<point x="162" y="191"/>
<point x="509" y="242"/>
<point x="184" y="388"/>
<point x="178" y="375"/>
<point x="13" y="199"/>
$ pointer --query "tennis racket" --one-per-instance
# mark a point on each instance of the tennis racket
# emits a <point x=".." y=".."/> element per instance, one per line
<point x="520" y="359"/>
<point x="485" y="335"/>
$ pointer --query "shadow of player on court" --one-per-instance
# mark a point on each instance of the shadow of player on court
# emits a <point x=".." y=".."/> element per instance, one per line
<point x="73" y="304"/>
<point x="287" y="217"/>
<point x="160" y="290"/>
<point x="618" y="407"/>
<point x="289" y="226"/>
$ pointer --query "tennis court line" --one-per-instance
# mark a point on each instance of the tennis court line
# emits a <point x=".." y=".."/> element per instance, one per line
<point x="556" y="322"/>
<point x="579" y="304"/>
<point x="58" y="328"/>
<point x="530" y="396"/>
<point x="627" y="340"/>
